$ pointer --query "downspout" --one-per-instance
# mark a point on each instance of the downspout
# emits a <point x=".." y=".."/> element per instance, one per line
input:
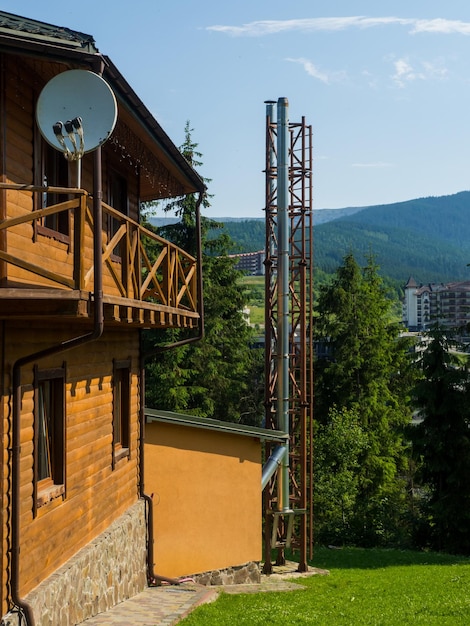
<point x="152" y="577"/>
<point x="3" y="178"/>
<point x="98" y="326"/>
<point x="283" y="294"/>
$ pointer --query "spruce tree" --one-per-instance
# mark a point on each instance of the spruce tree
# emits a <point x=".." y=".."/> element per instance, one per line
<point x="441" y="441"/>
<point x="366" y="372"/>
<point x="220" y="376"/>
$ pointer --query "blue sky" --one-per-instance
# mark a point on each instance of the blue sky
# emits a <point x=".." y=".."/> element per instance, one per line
<point x="385" y="85"/>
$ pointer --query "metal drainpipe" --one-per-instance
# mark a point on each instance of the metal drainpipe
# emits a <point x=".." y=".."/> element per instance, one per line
<point x="283" y="292"/>
<point x="151" y="576"/>
<point x="98" y="326"/>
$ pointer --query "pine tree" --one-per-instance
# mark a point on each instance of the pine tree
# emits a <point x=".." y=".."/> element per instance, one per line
<point x="220" y="376"/>
<point x="366" y="373"/>
<point x="441" y="441"/>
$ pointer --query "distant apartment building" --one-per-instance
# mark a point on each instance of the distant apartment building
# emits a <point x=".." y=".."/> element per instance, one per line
<point x="250" y="262"/>
<point x="424" y="304"/>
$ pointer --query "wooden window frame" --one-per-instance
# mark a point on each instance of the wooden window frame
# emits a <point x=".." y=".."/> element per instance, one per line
<point x="121" y="409"/>
<point x="53" y="486"/>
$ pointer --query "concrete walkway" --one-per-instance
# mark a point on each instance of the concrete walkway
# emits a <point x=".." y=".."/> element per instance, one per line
<point x="168" y="604"/>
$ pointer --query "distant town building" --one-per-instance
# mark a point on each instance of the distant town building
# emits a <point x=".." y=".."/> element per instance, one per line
<point x="424" y="304"/>
<point x="250" y="262"/>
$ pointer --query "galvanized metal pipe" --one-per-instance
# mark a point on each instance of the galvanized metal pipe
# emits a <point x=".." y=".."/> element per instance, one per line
<point x="272" y="464"/>
<point x="283" y="292"/>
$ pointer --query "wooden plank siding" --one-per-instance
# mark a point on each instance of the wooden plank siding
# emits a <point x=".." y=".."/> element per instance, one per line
<point x="47" y="297"/>
<point x="95" y="493"/>
<point x="32" y="257"/>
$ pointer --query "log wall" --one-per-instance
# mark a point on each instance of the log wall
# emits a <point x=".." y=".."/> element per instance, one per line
<point x="21" y="158"/>
<point x="95" y="493"/>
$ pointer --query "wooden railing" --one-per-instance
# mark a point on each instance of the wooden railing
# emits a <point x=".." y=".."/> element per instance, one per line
<point x="137" y="263"/>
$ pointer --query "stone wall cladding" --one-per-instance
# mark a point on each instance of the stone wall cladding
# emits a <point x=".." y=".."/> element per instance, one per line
<point x="247" y="574"/>
<point x="110" y="569"/>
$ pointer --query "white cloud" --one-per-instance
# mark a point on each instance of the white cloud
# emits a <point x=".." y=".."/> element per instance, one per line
<point x="311" y="69"/>
<point x="406" y="73"/>
<point x="440" y="25"/>
<point x="435" y="70"/>
<point x="272" y="27"/>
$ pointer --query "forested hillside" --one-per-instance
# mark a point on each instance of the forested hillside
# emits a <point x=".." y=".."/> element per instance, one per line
<point x="428" y="238"/>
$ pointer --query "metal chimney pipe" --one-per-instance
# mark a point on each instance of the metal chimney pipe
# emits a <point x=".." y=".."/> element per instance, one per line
<point x="283" y="292"/>
<point x="272" y="465"/>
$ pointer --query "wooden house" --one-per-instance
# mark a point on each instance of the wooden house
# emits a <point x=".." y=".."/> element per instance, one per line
<point x="77" y="288"/>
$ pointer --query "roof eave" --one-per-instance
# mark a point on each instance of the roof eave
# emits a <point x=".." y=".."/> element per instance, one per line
<point x="192" y="421"/>
<point x="140" y="112"/>
<point x="67" y="51"/>
<point x="46" y="48"/>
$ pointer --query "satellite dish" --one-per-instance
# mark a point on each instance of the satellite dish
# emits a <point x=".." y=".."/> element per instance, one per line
<point x="76" y="112"/>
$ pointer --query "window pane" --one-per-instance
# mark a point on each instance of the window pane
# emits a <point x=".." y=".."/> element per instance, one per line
<point x="117" y="405"/>
<point x="44" y="431"/>
<point x="121" y="414"/>
<point x="50" y="424"/>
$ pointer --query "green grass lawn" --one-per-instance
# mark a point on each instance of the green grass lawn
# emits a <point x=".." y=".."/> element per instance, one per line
<point x="254" y="286"/>
<point x="365" y="587"/>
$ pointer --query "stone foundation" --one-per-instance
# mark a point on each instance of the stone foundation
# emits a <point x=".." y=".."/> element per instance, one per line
<point x="110" y="569"/>
<point x="248" y="574"/>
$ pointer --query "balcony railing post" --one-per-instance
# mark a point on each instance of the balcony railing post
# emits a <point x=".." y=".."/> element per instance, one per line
<point x="78" y="242"/>
<point x="138" y="277"/>
<point x="125" y="260"/>
<point x="3" y="235"/>
<point x="167" y="277"/>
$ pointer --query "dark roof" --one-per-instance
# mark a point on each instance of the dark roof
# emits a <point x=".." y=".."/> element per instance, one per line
<point x="135" y="105"/>
<point x="27" y="28"/>
<point x="453" y="287"/>
<point x="411" y="282"/>
<point x="29" y="36"/>
<point x="192" y="421"/>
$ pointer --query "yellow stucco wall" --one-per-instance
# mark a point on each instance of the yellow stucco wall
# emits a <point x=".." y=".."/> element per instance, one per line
<point x="206" y="490"/>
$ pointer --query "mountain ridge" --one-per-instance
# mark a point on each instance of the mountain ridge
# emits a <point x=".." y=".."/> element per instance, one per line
<point x="428" y="237"/>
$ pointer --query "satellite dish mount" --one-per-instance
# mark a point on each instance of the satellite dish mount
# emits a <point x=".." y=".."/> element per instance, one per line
<point x="76" y="113"/>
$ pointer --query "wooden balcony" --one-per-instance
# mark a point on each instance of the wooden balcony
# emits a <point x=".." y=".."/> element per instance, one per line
<point x="147" y="281"/>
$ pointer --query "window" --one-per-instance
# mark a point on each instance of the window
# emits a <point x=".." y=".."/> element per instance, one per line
<point x="121" y="409"/>
<point x="49" y="434"/>
<point x="51" y="170"/>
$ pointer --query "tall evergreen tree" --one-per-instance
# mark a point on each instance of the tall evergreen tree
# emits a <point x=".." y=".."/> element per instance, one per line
<point x="441" y="441"/>
<point x="220" y="376"/>
<point x="366" y="372"/>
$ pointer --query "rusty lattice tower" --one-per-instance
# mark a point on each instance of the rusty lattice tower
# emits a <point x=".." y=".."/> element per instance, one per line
<point x="288" y="325"/>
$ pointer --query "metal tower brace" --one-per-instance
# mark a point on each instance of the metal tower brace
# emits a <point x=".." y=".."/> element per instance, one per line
<point x="280" y="529"/>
